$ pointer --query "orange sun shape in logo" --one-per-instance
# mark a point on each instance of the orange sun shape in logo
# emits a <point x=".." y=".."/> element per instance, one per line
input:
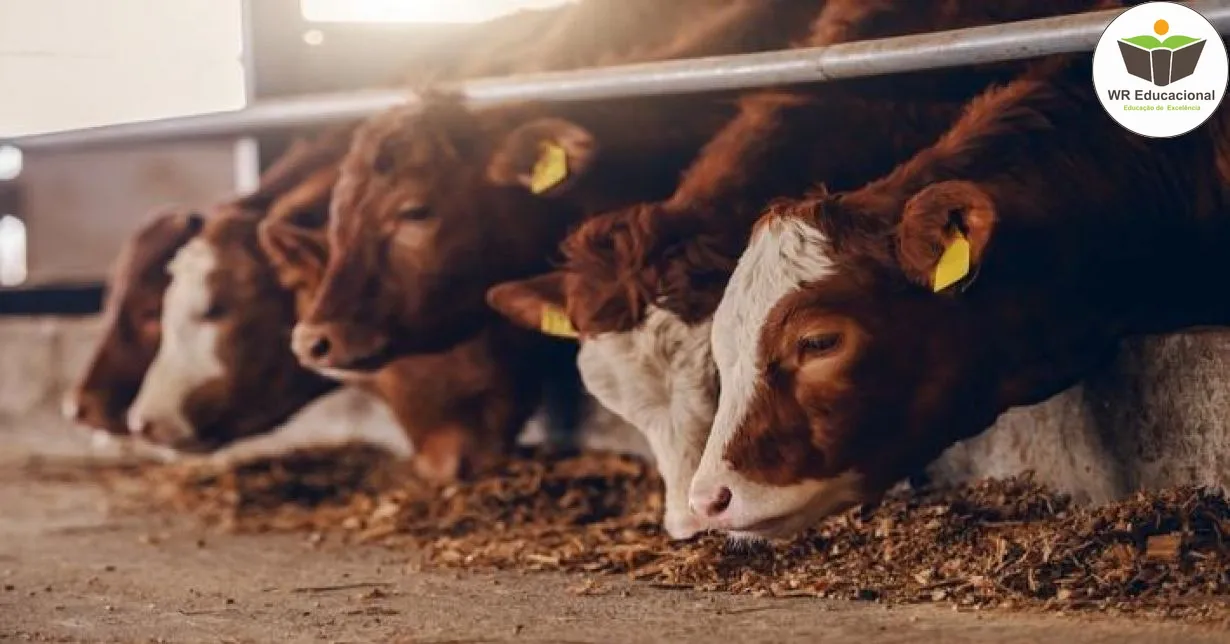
<point x="1161" y="27"/>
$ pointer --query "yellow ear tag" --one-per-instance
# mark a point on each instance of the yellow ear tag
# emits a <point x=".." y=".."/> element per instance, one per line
<point x="555" y="322"/>
<point x="551" y="168"/>
<point x="954" y="263"/>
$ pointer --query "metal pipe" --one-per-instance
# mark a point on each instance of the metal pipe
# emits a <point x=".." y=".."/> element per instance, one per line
<point x="945" y="49"/>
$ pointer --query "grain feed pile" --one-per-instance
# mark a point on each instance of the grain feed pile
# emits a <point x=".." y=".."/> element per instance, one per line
<point x="1007" y="544"/>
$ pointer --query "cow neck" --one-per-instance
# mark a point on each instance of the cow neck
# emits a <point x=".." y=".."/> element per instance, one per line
<point x="1097" y="228"/>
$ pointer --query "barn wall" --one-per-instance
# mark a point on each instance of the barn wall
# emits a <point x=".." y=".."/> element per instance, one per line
<point x="1159" y="415"/>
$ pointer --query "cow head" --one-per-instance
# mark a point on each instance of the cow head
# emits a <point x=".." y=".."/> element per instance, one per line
<point x="861" y="335"/>
<point x="224" y="369"/>
<point x="643" y="329"/>
<point x="462" y="408"/>
<point x="432" y="207"/>
<point x="132" y="323"/>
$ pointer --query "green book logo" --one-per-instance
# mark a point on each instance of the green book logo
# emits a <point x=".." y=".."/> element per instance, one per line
<point x="1158" y="61"/>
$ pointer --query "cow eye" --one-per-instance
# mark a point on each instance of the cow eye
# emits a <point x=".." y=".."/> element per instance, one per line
<point x="819" y="345"/>
<point x="214" y="311"/>
<point x="149" y="315"/>
<point x="149" y="321"/>
<point x="415" y="213"/>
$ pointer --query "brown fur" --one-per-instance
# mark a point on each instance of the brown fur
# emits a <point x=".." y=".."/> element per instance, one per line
<point x="679" y="252"/>
<point x="462" y="408"/>
<point x="1082" y="234"/>
<point x="424" y="292"/>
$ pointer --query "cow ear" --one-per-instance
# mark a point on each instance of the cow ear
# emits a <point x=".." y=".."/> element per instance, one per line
<point x="536" y="303"/>
<point x="297" y="254"/>
<point x="943" y="234"/>
<point x="543" y="156"/>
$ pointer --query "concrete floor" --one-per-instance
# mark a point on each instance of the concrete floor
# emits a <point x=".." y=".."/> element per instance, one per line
<point x="73" y="569"/>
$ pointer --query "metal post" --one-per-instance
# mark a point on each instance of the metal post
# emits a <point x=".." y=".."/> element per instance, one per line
<point x="995" y="43"/>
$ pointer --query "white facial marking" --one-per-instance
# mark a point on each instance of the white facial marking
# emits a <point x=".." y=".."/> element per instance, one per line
<point x="758" y="510"/>
<point x="659" y="378"/>
<point x="784" y="254"/>
<point x="188" y="354"/>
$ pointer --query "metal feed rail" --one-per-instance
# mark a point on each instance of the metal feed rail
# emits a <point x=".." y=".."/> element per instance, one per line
<point x="996" y="43"/>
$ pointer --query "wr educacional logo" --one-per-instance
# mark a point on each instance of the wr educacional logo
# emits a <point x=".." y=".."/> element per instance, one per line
<point x="1160" y="69"/>
<point x="1161" y="62"/>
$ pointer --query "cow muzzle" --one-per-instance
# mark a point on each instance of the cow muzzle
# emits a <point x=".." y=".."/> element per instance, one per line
<point x="330" y="347"/>
<point x="92" y="409"/>
<point x="729" y="502"/>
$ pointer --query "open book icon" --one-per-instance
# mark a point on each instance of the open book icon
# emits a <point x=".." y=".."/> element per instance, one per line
<point x="1161" y="62"/>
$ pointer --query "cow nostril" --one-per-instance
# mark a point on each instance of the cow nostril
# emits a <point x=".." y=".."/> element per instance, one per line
<point x="720" y="501"/>
<point x="139" y="426"/>
<point x="319" y="348"/>
<point x="71" y="408"/>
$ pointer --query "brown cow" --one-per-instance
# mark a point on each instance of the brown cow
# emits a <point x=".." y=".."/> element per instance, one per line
<point x="640" y="285"/>
<point x="461" y="408"/>
<point x="841" y="368"/>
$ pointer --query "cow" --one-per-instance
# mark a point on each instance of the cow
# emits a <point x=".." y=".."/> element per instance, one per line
<point x="223" y="303"/>
<point x="132" y="313"/>
<point x="462" y="408"/>
<point x="863" y="332"/>
<point x="640" y="285"/>
<point x="131" y="322"/>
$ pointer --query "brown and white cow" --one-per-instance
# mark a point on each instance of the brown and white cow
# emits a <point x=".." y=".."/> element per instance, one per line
<point x="132" y="315"/>
<point x="640" y="285"/>
<point x="132" y="322"/>
<point x="842" y="368"/>
<point x="223" y="304"/>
